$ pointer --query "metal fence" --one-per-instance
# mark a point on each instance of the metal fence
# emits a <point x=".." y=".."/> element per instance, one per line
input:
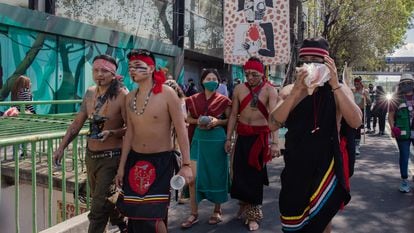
<point x="27" y="143"/>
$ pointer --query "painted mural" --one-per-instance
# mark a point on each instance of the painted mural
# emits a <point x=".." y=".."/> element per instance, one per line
<point x="257" y="28"/>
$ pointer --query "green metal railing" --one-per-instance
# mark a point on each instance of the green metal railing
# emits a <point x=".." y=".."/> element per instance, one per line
<point x="42" y="133"/>
<point x="22" y="104"/>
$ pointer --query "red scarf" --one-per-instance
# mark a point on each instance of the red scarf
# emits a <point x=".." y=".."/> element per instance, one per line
<point x="198" y="105"/>
<point x="262" y="108"/>
<point x="261" y="145"/>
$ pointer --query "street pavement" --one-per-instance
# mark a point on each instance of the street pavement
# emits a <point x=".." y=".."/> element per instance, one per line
<point x="376" y="206"/>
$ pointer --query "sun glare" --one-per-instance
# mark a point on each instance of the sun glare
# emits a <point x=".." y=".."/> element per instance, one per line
<point x="388" y="96"/>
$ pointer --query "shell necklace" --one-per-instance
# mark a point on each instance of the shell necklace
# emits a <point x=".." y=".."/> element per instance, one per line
<point x="145" y="102"/>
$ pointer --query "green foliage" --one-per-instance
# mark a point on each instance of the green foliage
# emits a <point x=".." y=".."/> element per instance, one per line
<point x="362" y="32"/>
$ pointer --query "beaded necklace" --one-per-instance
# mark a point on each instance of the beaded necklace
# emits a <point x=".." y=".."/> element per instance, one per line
<point x="145" y="102"/>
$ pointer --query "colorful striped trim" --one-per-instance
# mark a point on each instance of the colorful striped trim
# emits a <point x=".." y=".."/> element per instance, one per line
<point x="317" y="201"/>
<point x="147" y="199"/>
<point x="311" y="51"/>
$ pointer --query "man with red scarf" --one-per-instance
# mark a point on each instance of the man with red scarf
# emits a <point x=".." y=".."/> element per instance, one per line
<point x="147" y="160"/>
<point x="250" y="110"/>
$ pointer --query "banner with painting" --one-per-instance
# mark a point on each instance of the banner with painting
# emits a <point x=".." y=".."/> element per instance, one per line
<point x="258" y="28"/>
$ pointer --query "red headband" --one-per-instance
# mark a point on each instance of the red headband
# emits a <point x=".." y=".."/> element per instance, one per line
<point x="313" y="51"/>
<point x="254" y="65"/>
<point x="159" y="76"/>
<point x="146" y="59"/>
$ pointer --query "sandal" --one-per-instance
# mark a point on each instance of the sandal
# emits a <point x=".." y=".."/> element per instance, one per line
<point x="215" y="218"/>
<point x="193" y="219"/>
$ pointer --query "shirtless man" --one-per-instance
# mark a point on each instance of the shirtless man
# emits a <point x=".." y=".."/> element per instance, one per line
<point x="147" y="159"/>
<point x="105" y="100"/>
<point x="250" y="109"/>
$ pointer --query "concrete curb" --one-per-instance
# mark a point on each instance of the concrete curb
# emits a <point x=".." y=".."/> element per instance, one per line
<point x="78" y="224"/>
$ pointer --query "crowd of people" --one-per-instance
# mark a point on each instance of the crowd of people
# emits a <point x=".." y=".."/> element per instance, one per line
<point x="220" y="141"/>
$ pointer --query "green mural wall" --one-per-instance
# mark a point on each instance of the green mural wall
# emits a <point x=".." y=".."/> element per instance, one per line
<point x="60" y="66"/>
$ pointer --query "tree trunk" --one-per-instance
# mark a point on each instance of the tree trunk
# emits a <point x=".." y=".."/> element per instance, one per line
<point x="22" y="67"/>
<point x="162" y="6"/>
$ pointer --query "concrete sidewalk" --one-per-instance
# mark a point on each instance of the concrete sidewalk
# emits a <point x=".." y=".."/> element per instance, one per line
<point x="376" y="206"/>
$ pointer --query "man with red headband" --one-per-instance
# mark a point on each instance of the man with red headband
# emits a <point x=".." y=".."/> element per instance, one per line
<point x="104" y="106"/>
<point x="250" y="110"/>
<point x="147" y="160"/>
<point x="314" y="181"/>
<point x="362" y="99"/>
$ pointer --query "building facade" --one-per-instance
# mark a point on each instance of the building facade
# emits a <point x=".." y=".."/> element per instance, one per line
<point x="54" y="42"/>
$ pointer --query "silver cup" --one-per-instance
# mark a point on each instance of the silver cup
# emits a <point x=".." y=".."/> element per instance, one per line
<point x="177" y="182"/>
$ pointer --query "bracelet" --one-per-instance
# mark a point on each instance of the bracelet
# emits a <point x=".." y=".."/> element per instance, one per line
<point x="186" y="165"/>
<point x="336" y="88"/>
<point x="276" y="122"/>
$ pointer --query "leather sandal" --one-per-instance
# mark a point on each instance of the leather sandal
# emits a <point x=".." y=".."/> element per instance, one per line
<point x="193" y="219"/>
<point x="215" y="218"/>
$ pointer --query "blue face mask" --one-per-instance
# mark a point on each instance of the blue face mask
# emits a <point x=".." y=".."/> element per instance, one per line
<point x="210" y="86"/>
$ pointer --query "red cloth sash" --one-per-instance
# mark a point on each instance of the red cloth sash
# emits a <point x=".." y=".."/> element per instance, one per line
<point x="345" y="163"/>
<point x="261" y="145"/>
<point x="262" y="108"/>
<point x="345" y="160"/>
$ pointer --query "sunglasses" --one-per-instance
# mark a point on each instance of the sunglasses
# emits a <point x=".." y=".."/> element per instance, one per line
<point x="409" y="83"/>
<point x="255" y="75"/>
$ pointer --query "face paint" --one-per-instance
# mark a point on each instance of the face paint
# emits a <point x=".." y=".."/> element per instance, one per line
<point x="138" y="70"/>
<point x="141" y="69"/>
<point x="211" y="85"/>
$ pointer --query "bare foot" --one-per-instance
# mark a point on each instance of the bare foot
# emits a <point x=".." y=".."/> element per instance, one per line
<point x="253" y="225"/>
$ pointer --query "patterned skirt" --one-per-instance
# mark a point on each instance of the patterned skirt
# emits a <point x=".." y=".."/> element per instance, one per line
<point x="146" y="185"/>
